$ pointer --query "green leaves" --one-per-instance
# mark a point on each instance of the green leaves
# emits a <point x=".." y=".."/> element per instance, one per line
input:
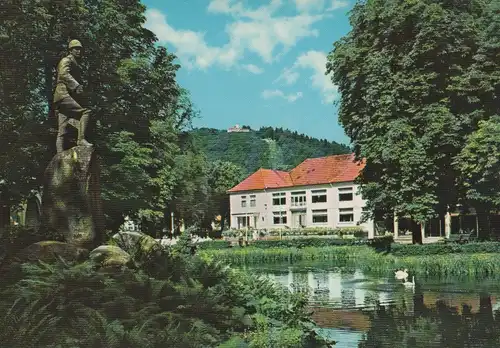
<point x="479" y="164"/>
<point x="408" y="75"/>
<point x="138" y="108"/>
<point x="170" y="299"/>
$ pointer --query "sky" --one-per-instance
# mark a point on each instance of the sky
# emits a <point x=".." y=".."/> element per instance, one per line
<point x="256" y="62"/>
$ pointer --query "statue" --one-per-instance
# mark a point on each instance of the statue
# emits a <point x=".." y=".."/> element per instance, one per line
<point x="67" y="95"/>
<point x="71" y="205"/>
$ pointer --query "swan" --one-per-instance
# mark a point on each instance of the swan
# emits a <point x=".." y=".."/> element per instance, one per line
<point x="408" y="284"/>
<point x="400" y="275"/>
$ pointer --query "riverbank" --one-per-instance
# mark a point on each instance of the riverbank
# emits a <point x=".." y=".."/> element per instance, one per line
<point x="366" y="259"/>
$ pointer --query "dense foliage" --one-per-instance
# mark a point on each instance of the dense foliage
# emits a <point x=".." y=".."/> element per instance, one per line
<point x="273" y="148"/>
<point x="140" y="115"/>
<point x="169" y="298"/>
<point x="439" y="248"/>
<point x="482" y="263"/>
<point x="419" y="80"/>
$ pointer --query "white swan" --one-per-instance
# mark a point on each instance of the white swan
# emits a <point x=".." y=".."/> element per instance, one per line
<point x="400" y="275"/>
<point x="408" y="284"/>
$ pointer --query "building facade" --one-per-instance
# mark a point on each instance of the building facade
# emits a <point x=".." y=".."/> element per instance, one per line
<point x="237" y="129"/>
<point x="319" y="192"/>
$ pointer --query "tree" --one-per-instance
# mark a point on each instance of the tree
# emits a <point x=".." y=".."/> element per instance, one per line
<point x="404" y="76"/>
<point x="138" y="107"/>
<point x="222" y="176"/>
<point x="191" y="193"/>
<point x="479" y="165"/>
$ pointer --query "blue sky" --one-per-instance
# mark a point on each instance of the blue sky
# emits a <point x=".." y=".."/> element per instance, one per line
<point x="258" y="62"/>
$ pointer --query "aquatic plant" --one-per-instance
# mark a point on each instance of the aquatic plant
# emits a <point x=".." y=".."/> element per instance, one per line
<point x="366" y="259"/>
<point x="169" y="299"/>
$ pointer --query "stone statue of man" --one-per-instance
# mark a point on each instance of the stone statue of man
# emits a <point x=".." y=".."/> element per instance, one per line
<point x="68" y="94"/>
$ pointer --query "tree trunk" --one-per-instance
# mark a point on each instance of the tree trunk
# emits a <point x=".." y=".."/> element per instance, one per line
<point x="416" y="232"/>
<point x="4" y="214"/>
<point x="483" y="224"/>
<point x="222" y="222"/>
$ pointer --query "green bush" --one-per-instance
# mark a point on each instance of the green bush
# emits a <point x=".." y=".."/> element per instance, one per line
<point x="439" y="249"/>
<point x="341" y="232"/>
<point x="15" y="238"/>
<point x="366" y="259"/>
<point x="379" y="243"/>
<point x="214" y="244"/>
<point x="305" y="242"/>
<point x="169" y="298"/>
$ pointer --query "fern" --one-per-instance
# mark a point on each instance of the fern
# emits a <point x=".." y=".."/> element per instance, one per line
<point x="168" y="298"/>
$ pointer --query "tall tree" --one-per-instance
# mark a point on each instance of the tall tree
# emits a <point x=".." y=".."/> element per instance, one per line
<point x="404" y="78"/>
<point x="138" y="107"/>
<point x="222" y="176"/>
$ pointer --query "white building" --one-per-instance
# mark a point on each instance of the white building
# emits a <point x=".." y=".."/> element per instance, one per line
<point x="237" y="129"/>
<point x="319" y="192"/>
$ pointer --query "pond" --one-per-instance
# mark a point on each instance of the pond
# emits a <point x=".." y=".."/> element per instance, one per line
<point x="362" y="310"/>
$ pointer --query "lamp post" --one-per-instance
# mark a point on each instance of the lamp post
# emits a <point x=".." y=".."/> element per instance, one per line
<point x="172" y="223"/>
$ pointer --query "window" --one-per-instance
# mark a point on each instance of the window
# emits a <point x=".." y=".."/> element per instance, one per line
<point x="346" y="215"/>
<point x="279" y="217"/>
<point x="243" y="222"/>
<point x="279" y="198"/>
<point x="252" y="200"/>
<point x="298" y="199"/>
<point x="243" y="201"/>
<point x="345" y="194"/>
<point x="320" y="216"/>
<point x="318" y="196"/>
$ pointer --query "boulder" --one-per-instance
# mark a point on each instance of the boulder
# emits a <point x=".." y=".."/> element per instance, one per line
<point x="110" y="256"/>
<point x="48" y="251"/>
<point x="132" y="242"/>
<point x="71" y="201"/>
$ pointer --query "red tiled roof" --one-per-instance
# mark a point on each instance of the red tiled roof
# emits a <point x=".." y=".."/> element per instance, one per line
<point x="263" y="179"/>
<point x="313" y="171"/>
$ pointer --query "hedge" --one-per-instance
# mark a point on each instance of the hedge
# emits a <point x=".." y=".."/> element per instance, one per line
<point x="299" y="243"/>
<point x="214" y="244"/>
<point x="355" y="231"/>
<point x="439" y="248"/>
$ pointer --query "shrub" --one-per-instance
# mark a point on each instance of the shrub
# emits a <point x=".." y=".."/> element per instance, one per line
<point x="214" y="244"/>
<point x="15" y="238"/>
<point x="367" y="260"/>
<point x="305" y="242"/>
<point x="379" y="243"/>
<point x="439" y="248"/>
<point x="171" y="300"/>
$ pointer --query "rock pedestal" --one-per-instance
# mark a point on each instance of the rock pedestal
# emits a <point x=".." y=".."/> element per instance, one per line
<point x="71" y="202"/>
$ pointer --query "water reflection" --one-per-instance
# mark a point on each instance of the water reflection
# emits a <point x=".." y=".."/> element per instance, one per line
<point x="358" y="310"/>
<point x="437" y="325"/>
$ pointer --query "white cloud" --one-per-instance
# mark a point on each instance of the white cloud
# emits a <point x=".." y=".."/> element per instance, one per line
<point x="309" y="5"/>
<point x="258" y="30"/>
<point x="254" y="69"/>
<point x="264" y="36"/>
<point x="319" y="5"/>
<point x="338" y="4"/>
<point x="314" y="61"/>
<point x="289" y="75"/>
<point x="190" y="46"/>
<point x="238" y="10"/>
<point x="268" y="94"/>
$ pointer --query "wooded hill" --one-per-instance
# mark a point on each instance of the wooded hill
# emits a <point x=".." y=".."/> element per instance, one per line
<point x="268" y="147"/>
